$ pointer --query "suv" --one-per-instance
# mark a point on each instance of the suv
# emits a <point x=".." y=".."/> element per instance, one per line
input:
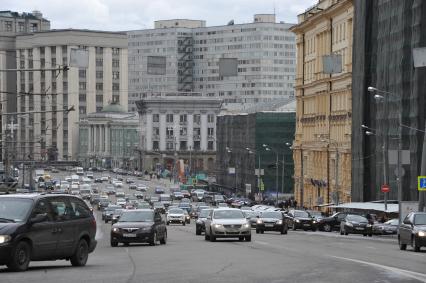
<point x="331" y="223"/>
<point x="227" y="223"/>
<point x="412" y="231"/>
<point x="42" y="227"/>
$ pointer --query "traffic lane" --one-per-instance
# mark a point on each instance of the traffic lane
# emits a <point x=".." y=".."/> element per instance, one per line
<point x="384" y="255"/>
<point x="105" y="264"/>
<point x="268" y="258"/>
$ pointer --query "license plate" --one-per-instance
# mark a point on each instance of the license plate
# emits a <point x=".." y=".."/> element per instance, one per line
<point x="129" y="235"/>
<point x="306" y="224"/>
<point x="359" y="228"/>
<point x="269" y="225"/>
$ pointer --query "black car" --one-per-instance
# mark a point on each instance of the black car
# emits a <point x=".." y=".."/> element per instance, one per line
<point x="355" y="224"/>
<point x="412" y="231"/>
<point x="331" y="223"/>
<point x="139" y="226"/>
<point x="300" y="219"/>
<point x="200" y="223"/>
<point x="387" y="228"/>
<point x="271" y="221"/>
<point x="103" y="203"/>
<point x="252" y="217"/>
<point x="98" y="180"/>
<point x="108" y="212"/>
<point x="39" y="227"/>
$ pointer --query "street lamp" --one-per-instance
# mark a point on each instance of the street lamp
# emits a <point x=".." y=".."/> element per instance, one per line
<point x="336" y="167"/>
<point x="268" y="148"/>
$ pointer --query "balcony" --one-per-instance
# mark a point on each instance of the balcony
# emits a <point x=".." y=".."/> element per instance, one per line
<point x="197" y="137"/>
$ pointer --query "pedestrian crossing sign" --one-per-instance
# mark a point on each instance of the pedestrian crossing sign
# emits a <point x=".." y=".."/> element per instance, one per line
<point x="421" y="183"/>
<point x="262" y="185"/>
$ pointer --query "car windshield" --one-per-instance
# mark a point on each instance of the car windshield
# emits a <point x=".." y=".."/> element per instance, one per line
<point x="14" y="209"/>
<point x="204" y="213"/>
<point x="228" y="214"/>
<point x="302" y="214"/>
<point x="393" y="222"/>
<point x="272" y="214"/>
<point x="112" y="208"/>
<point x="356" y="218"/>
<point x="137" y="216"/>
<point x="176" y="211"/>
<point x="420" y="219"/>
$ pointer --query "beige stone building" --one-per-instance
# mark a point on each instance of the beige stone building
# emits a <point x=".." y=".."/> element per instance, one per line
<point x="322" y="146"/>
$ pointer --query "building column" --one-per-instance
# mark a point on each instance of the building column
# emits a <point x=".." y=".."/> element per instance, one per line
<point x="148" y="130"/>
<point x="162" y="131"/>
<point x="203" y="132"/>
<point x="176" y="132"/>
<point x="107" y="141"/>
<point x="190" y="131"/>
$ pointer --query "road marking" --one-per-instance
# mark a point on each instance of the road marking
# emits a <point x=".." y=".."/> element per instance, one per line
<point x="261" y="243"/>
<point x="415" y="275"/>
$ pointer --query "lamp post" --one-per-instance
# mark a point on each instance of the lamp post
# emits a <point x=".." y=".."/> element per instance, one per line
<point x="268" y="148"/>
<point x="336" y="167"/>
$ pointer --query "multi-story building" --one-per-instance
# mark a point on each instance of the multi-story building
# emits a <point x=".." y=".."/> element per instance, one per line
<point x="243" y="64"/>
<point x="240" y="151"/>
<point x="385" y="36"/>
<point x="322" y="146"/>
<point x="55" y="88"/>
<point x="12" y="24"/>
<point x="109" y="138"/>
<point x="178" y="126"/>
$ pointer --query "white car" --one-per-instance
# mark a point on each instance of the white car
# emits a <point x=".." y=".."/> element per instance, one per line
<point x="141" y="188"/>
<point x="120" y="194"/>
<point x="68" y="179"/>
<point x="227" y="223"/>
<point x="105" y="178"/>
<point x="176" y="215"/>
<point x="121" y="202"/>
<point x="118" y="184"/>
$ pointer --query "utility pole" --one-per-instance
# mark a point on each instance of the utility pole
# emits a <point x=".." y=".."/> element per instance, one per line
<point x="282" y="181"/>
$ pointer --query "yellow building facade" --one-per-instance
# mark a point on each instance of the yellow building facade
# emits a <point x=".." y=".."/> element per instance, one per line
<point x="322" y="146"/>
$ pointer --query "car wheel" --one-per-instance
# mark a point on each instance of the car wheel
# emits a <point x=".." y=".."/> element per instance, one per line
<point x="21" y="256"/>
<point x="294" y="227"/>
<point x="212" y="238"/>
<point x="154" y="239"/>
<point x="370" y="235"/>
<point x="81" y="254"/>
<point x="241" y="239"/>
<point x="106" y="221"/>
<point x="365" y="235"/>
<point x="327" y="227"/>
<point x="183" y="223"/>
<point x="402" y="246"/>
<point x="341" y="232"/>
<point x="314" y="229"/>
<point x="257" y="231"/>
<point x="114" y="244"/>
<point x="283" y="231"/>
<point x="163" y="241"/>
<point x="197" y="231"/>
<point x="206" y="237"/>
<point x="262" y="231"/>
<point x="167" y="223"/>
<point x="416" y="246"/>
<point x="248" y="238"/>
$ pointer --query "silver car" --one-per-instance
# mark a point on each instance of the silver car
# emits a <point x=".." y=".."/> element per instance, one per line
<point x="227" y="223"/>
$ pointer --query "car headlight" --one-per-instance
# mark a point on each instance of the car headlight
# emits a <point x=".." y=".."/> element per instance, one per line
<point x="279" y="222"/>
<point x="297" y="220"/>
<point x="115" y="230"/>
<point x="314" y="222"/>
<point x="349" y="224"/>
<point x="421" y="234"/>
<point x="368" y="225"/>
<point x="146" y="228"/>
<point x="246" y="225"/>
<point x="5" y="239"/>
<point x="259" y="221"/>
<point x="218" y="225"/>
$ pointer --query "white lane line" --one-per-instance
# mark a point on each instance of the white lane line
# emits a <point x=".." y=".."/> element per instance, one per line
<point x="261" y="243"/>
<point x="411" y="274"/>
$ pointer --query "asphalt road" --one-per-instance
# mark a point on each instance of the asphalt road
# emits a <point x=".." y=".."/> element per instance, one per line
<point x="270" y="257"/>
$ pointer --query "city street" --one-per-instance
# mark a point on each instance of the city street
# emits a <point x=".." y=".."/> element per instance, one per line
<point x="270" y="257"/>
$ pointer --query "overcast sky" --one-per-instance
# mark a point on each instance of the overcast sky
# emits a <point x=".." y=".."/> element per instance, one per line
<point x="116" y="15"/>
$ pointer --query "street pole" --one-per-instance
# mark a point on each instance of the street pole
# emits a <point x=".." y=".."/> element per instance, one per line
<point x="276" y="175"/>
<point x="384" y="174"/>
<point x="282" y="181"/>
<point x="190" y="161"/>
<point x="337" y="176"/>
<point x="423" y="173"/>
<point x="399" y="169"/>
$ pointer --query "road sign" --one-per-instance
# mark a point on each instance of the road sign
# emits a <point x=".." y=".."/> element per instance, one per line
<point x="385" y="188"/>
<point x="248" y="188"/>
<point x="421" y="183"/>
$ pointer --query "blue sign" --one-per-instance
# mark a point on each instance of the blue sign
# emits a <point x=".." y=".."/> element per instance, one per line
<point x="421" y="183"/>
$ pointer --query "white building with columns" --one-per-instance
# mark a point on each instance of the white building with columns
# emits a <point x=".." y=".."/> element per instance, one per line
<point x="178" y="126"/>
<point x="88" y="89"/>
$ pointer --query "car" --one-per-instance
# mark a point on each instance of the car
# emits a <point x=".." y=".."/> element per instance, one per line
<point x="110" y="190"/>
<point x="331" y="223"/>
<point x="89" y="175"/>
<point x="153" y="199"/>
<point x="139" y="195"/>
<point x="118" y="184"/>
<point x="252" y="217"/>
<point x="129" y="181"/>
<point x="165" y="199"/>
<point x="300" y="219"/>
<point x="200" y="223"/>
<point x="176" y="215"/>
<point x="355" y="224"/>
<point x="139" y="226"/>
<point x="121" y="202"/>
<point x="388" y="228"/>
<point x="95" y="198"/>
<point x="132" y="187"/>
<point x="227" y="223"/>
<point x="159" y="206"/>
<point x="271" y="221"/>
<point x="120" y="194"/>
<point x="186" y="206"/>
<point x="105" y="178"/>
<point x="116" y="215"/>
<point x="141" y="188"/>
<point x="412" y="231"/>
<point x="186" y="194"/>
<point x="177" y="195"/>
<point x="143" y="205"/>
<point x="103" y="203"/>
<point x="187" y="217"/>
<point x="159" y="190"/>
<point x="98" y="180"/>
<point x="197" y="209"/>
<point x="27" y="222"/>
<point x="217" y="199"/>
<point x="316" y="215"/>
<point x="68" y="179"/>
<point x="108" y="212"/>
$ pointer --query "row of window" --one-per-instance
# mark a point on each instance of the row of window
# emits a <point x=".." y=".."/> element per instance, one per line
<point x="183" y="131"/>
<point x="183" y="145"/>
<point x="20" y="27"/>
<point x="183" y="118"/>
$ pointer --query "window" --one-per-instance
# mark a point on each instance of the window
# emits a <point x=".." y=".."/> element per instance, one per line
<point x="197" y="145"/>
<point x="33" y="27"/>
<point x="99" y="62"/>
<point x="99" y="98"/>
<point x="210" y="131"/>
<point x="156" y="118"/>
<point x="21" y="27"/>
<point x="115" y="75"/>
<point x="183" y="131"/>
<point x="115" y="86"/>
<point x="210" y="118"/>
<point x="82" y="98"/>
<point x="99" y="86"/>
<point x="210" y="145"/>
<point x="169" y="132"/>
<point x="155" y="145"/>
<point x="169" y="118"/>
<point x="79" y="209"/>
<point x="183" y="145"/>
<point x="183" y="118"/>
<point x="82" y="86"/>
<point x="197" y="131"/>
<point x="156" y="131"/>
<point x="169" y="146"/>
<point x="99" y="74"/>
<point x="99" y="50"/>
<point x="115" y="63"/>
<point x="82" y="73"/>
<point x="42" y="207"/>
<point x="8" y="26"/>
<point x="115" y="51"/>
<point x="82" y="110"/>
<point x="197" y="118"/>
<point x="60" y="208"/>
